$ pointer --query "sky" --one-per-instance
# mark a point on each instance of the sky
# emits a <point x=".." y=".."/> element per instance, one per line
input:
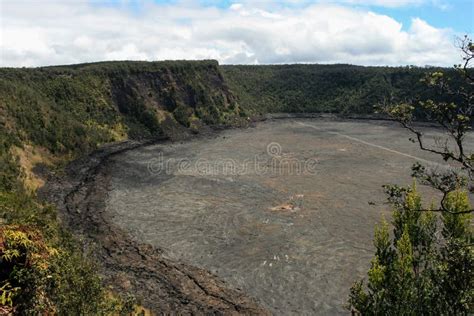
<point x="372" y="32"/>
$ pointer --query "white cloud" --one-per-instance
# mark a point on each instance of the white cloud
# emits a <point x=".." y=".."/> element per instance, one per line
<point x="441" y="4"/>
<point x="46" y="33"/>
<point x="383" y="3"/>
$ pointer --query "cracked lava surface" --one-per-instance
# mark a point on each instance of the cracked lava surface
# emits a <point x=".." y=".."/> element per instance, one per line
<point x="294" y="236"/>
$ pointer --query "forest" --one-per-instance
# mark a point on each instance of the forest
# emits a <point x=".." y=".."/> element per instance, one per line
<point x="344" y="89"/>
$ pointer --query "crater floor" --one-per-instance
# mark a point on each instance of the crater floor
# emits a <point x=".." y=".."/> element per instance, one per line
<point x="284" y="211"/>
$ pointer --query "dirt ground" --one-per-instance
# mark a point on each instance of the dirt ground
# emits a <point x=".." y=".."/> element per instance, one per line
<point x="284" y="211"/>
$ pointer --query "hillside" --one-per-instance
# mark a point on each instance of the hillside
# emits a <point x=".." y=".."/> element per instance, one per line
<point x="67" y="110"/>
<point x="322" y="88"/>
<point x="51" y="115"/>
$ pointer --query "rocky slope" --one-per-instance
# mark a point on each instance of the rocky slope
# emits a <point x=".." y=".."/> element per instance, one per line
<point x="128" y="266"/>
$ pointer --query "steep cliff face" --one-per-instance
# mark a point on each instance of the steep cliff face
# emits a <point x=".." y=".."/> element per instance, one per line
<point x="190" y="96"/>
<point x="68" y="110"/>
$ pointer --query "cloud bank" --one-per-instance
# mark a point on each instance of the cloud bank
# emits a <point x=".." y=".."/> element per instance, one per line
<point x="47" y="33"/>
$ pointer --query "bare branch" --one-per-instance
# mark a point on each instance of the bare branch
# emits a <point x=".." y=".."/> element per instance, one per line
<point x="442" y="210"/>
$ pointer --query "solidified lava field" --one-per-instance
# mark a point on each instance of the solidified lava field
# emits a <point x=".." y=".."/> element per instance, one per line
<point x="284" y="211"/>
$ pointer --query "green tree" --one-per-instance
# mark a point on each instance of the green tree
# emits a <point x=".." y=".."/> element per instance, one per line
<point x="426" y="267"/>
<point x="417" y="272"/>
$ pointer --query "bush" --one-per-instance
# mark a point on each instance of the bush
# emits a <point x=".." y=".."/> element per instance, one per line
<point x="42" y="271"/>
<point x="418" y="272"/>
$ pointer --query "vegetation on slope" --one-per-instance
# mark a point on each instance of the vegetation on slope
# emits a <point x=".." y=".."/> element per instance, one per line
<point x="42" y="270"/>
<point x="77" y="108"/>
<point x="322" y="88"/>
<point x="53" y="114"/>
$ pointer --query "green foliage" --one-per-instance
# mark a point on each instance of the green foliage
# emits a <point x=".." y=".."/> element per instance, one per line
<point x="41" y="268"/>
<point x="183" y="115"/>
<point x="416" y="273"/>
<point x="9" y="167"/>
<point x="448" y="105"/>
<point x="457" y="226"/>
<point x="74" y="109"/>
<point x="7" y="294"/>
<point x="382" y="243"/>
<point x="74" y="287"/>
<point x="322" y="88"/>
<point x="9" y="171"/>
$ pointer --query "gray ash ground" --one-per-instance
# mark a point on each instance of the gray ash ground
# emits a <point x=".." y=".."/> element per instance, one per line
<point x="295" y="241"/>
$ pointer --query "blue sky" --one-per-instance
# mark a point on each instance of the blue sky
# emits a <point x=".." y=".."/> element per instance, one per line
<point x="455" y="14"/>
<point x="364" y="32"/>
